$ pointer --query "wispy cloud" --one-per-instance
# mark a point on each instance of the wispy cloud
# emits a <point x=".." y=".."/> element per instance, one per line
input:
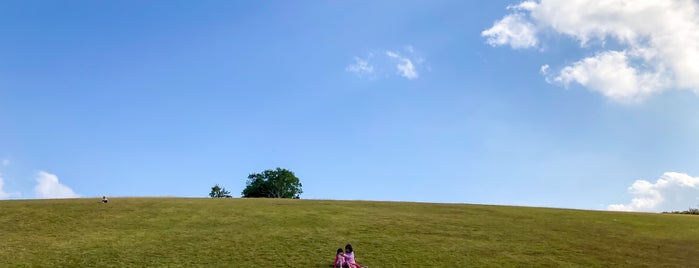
<point x="360" y="67"/>
<point x="405" y="66"/>
<point x="409" y="49"/>
<point x="5" y="162"/>
<point x="656" y="43"/>
<point x="402" y="62"/>
<point x="3" y="194"/>
<point x="672" y="191"/>
<point x="48" y="186"/>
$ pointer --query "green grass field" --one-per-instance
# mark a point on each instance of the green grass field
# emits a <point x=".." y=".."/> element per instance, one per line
<point x="182" y="232"/>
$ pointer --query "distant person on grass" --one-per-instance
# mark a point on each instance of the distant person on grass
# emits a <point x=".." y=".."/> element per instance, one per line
<point x="340" y="259"/>
<point x="104" y="199"/>
<point x="349" y="257"/>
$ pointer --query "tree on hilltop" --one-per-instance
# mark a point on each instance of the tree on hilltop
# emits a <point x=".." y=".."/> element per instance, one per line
<point x="278" y="183"/>
<point x="219" y="192"/>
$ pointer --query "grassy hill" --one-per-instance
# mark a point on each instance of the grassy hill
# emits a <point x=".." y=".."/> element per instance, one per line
<point x="180" y="232"/>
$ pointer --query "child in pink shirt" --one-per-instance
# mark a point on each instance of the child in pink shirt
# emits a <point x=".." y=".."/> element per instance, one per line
<point x="340" y="259"/>
<point x="349" y="257"/>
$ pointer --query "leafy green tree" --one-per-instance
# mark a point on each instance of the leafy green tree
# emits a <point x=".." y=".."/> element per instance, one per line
<point x="219" y="192"/>
<point x="278" y="183"/>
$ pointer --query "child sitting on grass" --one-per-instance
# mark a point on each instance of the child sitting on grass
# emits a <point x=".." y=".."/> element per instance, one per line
<point x="349" y="257"/>
<point x="340" y="259"/>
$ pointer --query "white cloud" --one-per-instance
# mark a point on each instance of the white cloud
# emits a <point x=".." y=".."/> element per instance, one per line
<point x="673" y="191"/>
<point x="610" y="74"/>
<point x="525" y="5"/>
<point x="3" y="194"/>
<point x="48" y="186"/>
<point x="513" y="30"/>
<point x="405" y="66"/>
<point x="657" y="42"/>
<point x="5" y="162"/>
<point x="361" y="67"/>
<point x="403" y="62"/>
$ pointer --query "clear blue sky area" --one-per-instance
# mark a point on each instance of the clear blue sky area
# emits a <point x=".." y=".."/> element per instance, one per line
<point x="371" y="100"/>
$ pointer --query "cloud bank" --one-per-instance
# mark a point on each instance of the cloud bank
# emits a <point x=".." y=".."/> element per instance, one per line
<point x="48" y="186"/>
<point x="403" y="63"/>
<point x="640" y="48"/>
<point x="671" y="192"/>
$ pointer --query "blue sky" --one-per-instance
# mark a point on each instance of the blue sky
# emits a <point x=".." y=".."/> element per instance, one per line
<point x="490" y="102"/>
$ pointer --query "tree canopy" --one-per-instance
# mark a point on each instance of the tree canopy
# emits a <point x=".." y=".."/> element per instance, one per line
<point x="218" y="192"/>
<point x="278" y="183"/>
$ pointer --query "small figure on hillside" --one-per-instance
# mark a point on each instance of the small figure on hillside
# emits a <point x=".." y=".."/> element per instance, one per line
<point x="340" y="259"/>
<point x="104" y="199"/>
<point x="349" y="257"/>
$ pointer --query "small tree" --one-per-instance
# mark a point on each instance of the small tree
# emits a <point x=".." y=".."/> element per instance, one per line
<point x="279" y="183"/>
<point x="218" y="192"/>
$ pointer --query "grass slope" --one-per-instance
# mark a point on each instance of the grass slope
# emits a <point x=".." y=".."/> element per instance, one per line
<point x="178" y="232"/>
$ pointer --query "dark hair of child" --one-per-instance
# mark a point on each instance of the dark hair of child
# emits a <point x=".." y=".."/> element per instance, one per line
<point x="348" y="248"/>
<point x="339" y="250"/>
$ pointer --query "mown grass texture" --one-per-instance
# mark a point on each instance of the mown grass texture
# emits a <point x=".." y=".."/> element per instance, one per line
<point x="192" y="232"/>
